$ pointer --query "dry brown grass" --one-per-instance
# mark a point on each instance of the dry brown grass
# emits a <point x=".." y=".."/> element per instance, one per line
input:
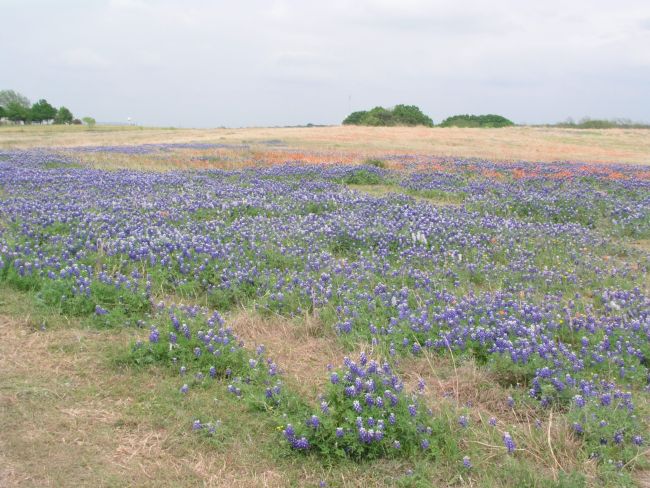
<point x="514" y="143"/>
<point x="67" y="420"/>
<point x="463" y="382"/>
<point x="302" y="347"/>
<point x="551" y="447"/>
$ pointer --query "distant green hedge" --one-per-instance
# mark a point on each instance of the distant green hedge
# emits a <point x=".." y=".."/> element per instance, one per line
<point x="489" y="120"/>
<point x="408" y="115"/>
<point x="587" y="123"/>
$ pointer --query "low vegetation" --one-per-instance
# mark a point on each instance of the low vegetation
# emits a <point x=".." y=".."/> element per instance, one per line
<point x="589" y="123"/>
<point x="454" y="321"/>
<point x="472" y="121"/>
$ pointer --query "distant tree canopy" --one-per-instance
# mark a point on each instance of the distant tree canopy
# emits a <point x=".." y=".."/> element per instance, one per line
<point x="489" y="120"/>
<point x="17" y="108"/>
<point x="11" y="96"/>
<point x="16" y="112"/>
<point x="42" y="110"/>
<point x="63" y="116"/>
<point x="408" y="115"/>
<point x="589" y="123"/>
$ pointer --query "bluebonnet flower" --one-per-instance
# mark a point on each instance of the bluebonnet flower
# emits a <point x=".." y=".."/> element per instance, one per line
<point x="509" y="443"/>
<point x="154" y="335"/>
<point x="313" y="422"/>
<point x="100" y="311"/>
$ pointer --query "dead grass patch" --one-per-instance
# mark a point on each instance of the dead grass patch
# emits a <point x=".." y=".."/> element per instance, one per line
<point x="505" y="144"/>
<point x="460" y="381"/>
<point x="301" y="347"/>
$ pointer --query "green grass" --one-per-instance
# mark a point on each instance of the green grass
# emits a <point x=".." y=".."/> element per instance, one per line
<point x="152" y="427"/>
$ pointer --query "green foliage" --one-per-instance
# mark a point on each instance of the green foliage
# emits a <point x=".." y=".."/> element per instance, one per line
<point x="489" y="120"/>
<point x="3" y="113"/>
<point x="606" y="432"/>
<point x="407" y="428"/>
<point x="17" y="112"/>
<point x="589" y="123"/>
<point x="346" y="246"/>
<point x="11" y="96"/>
<point x="400" y="115"/>
<point x="315" y="208"/>
<point x="355" y="118"/>
<point x="363" y="177"/>
<point x="123" y="305"/>
<point x="89" y="121"/>
<point x="377" y="163"/>
<point x="42" y="110"/>
<point x="63" y="116"/>
<point x="411" y="115"/>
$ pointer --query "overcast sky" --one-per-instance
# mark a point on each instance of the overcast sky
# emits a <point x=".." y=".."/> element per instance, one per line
<point x="209" y="63"/>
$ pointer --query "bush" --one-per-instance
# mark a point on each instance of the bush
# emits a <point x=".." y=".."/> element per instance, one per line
<point x="400" y="115"/>
<point x="489" y="120"/>
<point x="377" y="163"/>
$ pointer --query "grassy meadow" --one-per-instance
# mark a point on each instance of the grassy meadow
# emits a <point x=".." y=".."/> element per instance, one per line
<point x="325" y="306"/>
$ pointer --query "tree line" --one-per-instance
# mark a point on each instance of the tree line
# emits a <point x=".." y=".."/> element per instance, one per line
<point x="410" y="115"/>
<point x="17" y="108"/>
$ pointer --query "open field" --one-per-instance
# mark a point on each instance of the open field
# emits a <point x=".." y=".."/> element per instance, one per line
<point x="516" y="143"/>
<point x="324" y="307"/>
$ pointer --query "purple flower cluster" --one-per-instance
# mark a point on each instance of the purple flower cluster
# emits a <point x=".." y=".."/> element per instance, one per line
<point x="368" y="413"/>
<point x="516" y="272"/>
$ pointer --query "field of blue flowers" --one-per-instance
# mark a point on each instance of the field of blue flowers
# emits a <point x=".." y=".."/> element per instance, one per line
<point x="536" y="273"/>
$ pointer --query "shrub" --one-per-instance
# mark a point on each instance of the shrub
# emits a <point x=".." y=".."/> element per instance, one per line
<point x="400" y="115"/>
<point x="377" y="163"/>
<point x="489" y="120"/>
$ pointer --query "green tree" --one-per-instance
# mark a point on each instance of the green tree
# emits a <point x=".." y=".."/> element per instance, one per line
<point x="379" y="116"/>
<point x="89" y="121"/>
<point x="42" y="110"/>
<point x="409" y="115"/>
<point x="11" y="96"/>
<point x="3" y="114"/>
<point x="17" y="112"/>
<point x="63" y="116"/>
<point x="355" y="118"/>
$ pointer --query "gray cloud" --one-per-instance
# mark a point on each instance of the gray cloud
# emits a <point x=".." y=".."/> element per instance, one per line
<point x="256" y="62"/>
